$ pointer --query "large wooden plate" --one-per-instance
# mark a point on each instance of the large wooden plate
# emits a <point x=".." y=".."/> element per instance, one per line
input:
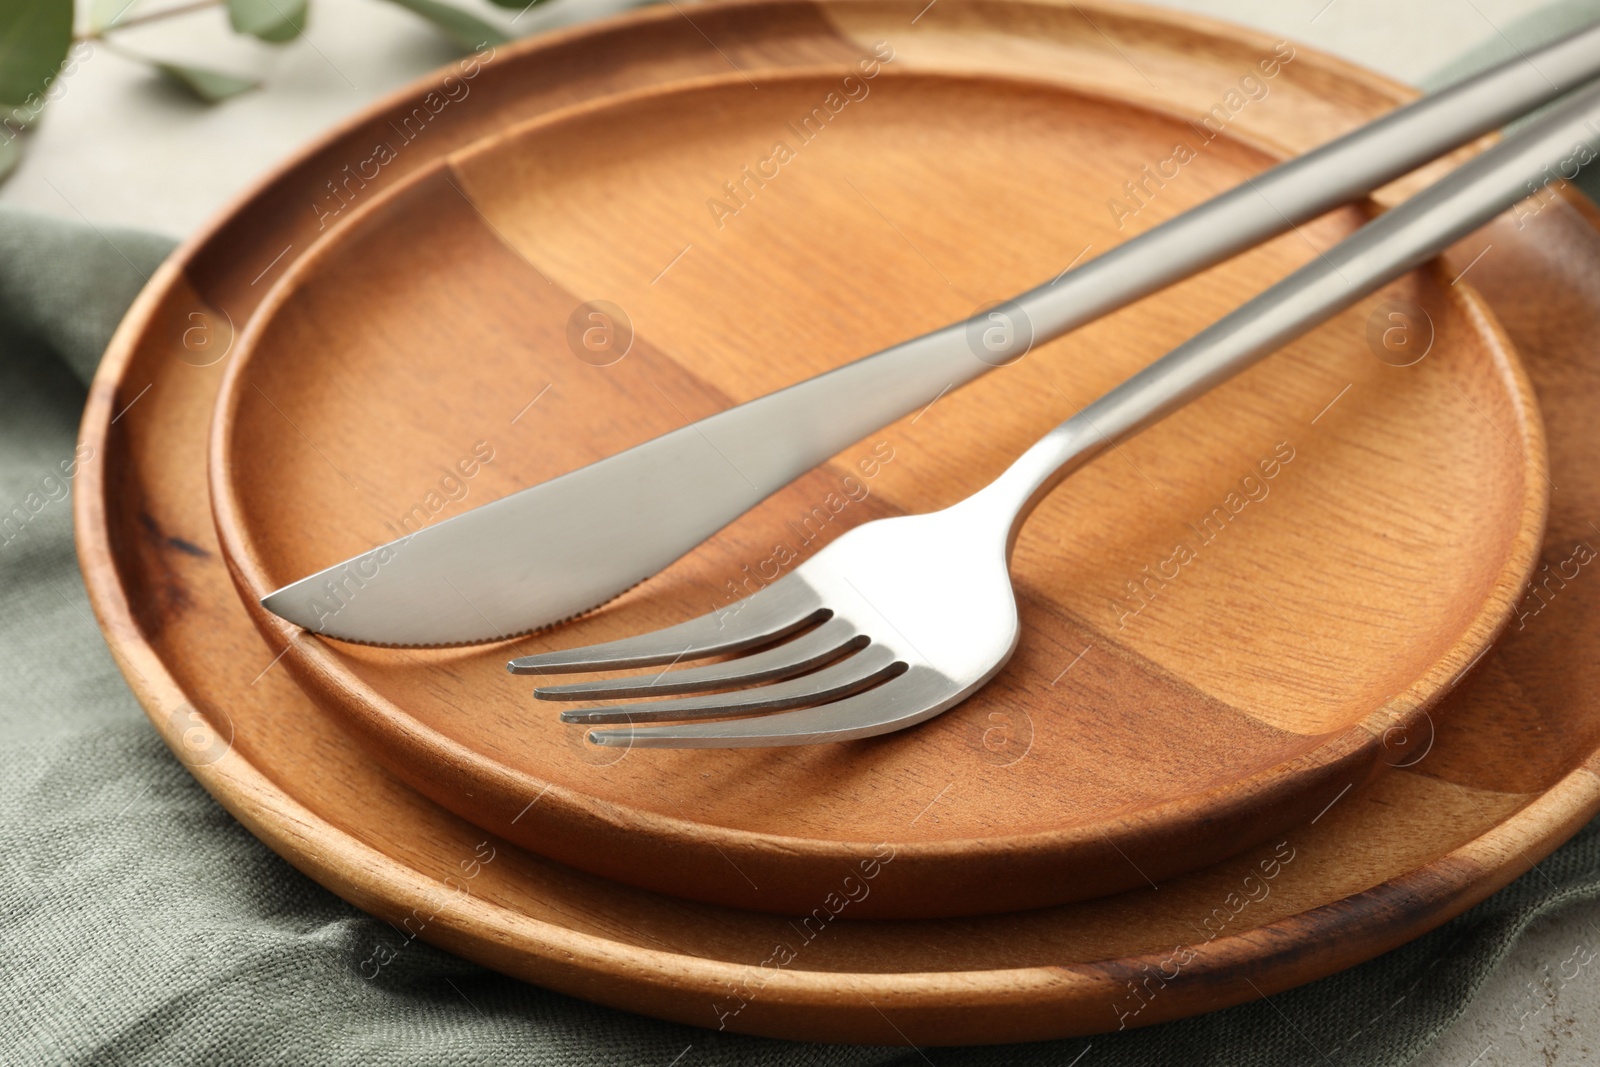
<point x="1509" y="775"/>
<point x="1221" y="621"/>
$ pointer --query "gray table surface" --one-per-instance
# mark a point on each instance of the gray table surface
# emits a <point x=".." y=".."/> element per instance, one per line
<point x="121" y="147"/>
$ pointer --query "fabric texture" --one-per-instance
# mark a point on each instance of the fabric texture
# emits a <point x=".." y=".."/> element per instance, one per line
<point x="140" y="924"/>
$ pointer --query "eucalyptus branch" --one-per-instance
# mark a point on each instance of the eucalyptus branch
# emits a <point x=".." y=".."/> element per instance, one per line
<point x="154" y="16"/>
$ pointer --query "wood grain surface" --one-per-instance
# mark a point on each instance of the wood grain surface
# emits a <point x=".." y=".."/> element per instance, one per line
<point x="1495" y="777"/>
<point x="1220" y="620"/>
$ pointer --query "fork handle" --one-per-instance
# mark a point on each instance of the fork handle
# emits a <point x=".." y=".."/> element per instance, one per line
<point x="1396" y="242"/>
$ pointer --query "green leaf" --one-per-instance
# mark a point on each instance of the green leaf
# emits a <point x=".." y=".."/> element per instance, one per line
<point x="516" y="5"/>
<point x="274" y="21"/>
<point x="34" y="38"/>
<point x="468" y="31"/>
<point x="10" y="155"/>
<point x="212" y="86"/>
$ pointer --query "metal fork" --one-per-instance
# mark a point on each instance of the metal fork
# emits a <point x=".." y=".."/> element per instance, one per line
<point x="902" y="618"/>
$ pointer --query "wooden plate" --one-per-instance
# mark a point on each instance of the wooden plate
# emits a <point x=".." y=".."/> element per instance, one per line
<point x="1221" y="621"/>
<point x="1510" y="774"/>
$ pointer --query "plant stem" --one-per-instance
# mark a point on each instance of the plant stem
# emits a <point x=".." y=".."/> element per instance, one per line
<point x="153" y="16"/>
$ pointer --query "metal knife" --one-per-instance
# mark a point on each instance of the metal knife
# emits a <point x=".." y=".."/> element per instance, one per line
<point x="548" y="553"/>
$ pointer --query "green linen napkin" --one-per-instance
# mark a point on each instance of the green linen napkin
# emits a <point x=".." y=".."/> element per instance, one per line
<point x="140" y="924"/>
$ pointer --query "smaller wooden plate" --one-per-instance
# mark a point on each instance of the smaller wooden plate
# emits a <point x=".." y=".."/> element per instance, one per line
<point x="1222" y="620"/>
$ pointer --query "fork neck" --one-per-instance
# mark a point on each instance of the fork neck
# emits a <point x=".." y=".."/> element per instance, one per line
<point x="1037" y="471"/>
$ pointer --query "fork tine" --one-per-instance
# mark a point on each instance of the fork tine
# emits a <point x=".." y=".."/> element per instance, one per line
<point x="776" y="611"/>
<point x="866" y="668"/>
<point x="827" y="642"/>
<point x="905" y="700"/>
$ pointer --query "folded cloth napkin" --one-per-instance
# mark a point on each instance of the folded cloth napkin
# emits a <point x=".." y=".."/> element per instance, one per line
<point x="140" y="924"/>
